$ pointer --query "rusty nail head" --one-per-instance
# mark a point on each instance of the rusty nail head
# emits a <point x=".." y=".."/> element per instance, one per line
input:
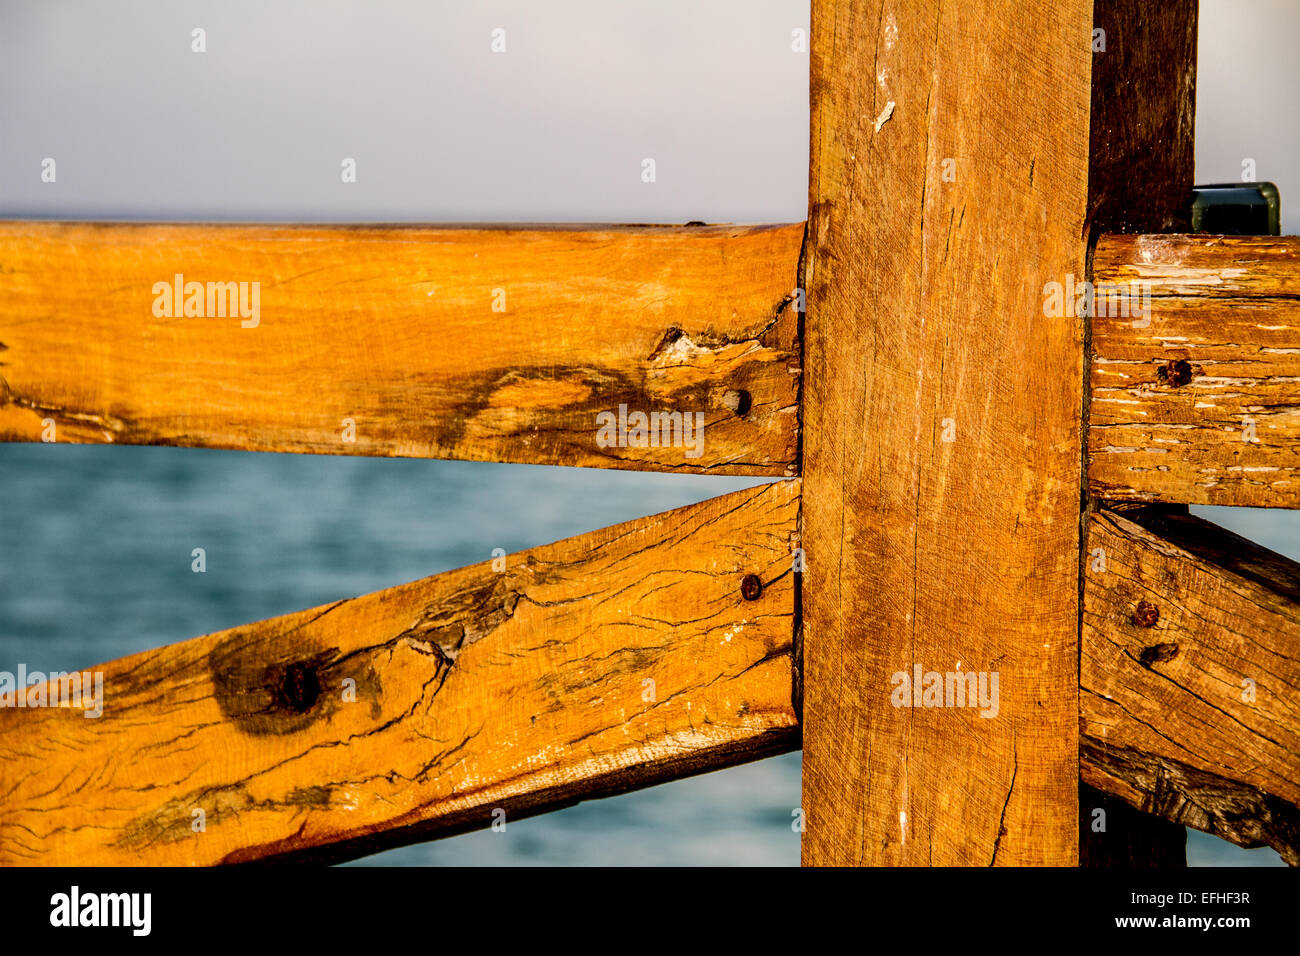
<point x="1176" y="372"/>
<point x="1146" y="614"/>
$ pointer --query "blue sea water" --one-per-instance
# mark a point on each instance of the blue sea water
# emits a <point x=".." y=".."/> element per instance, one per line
<point x="95" y="563"/>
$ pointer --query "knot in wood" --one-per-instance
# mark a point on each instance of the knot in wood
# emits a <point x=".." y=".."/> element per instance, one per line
<point x="297" y="687"/>
<point x="751" y="587"/>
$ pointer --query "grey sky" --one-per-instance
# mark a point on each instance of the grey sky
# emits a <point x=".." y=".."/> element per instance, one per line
<point x="554" y="129"/>
<point x="442" y="128"/>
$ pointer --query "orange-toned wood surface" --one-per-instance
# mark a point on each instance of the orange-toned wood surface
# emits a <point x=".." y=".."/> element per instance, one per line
<point x="1190" y="676"/>
<point x="617" y="659"/>
<point x="1197" y="402"/>
<point x="501" y="344"/>
<point x="941" y="428"/>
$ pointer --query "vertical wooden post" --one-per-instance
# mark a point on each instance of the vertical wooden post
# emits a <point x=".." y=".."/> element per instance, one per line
<point x="1142" y="164"/>
<point x="1143" y="115"/>
<point x="942" y="428"/>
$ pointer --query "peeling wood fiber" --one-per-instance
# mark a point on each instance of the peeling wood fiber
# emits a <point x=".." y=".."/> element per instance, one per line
<point x="1199" y="401"/>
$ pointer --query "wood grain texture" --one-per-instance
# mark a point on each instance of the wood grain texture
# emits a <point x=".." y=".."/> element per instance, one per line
<point x="522" y="690"/>
<point x="1186" y="796"/>
<point x="1143" y="116"/>
<point x="1199" y="402"/>
<point x="961" y="554"/>
<point x="1190" y="675"/>
<point x="394" y="329"/>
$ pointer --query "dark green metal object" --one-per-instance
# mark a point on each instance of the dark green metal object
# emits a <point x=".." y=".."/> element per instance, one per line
<point x="1237" y="209"/>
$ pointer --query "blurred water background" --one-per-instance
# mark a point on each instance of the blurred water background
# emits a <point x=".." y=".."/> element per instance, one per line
<point x="95" y="542"/>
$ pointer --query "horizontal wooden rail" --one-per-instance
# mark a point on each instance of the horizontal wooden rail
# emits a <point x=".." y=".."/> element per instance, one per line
<point x="1196" y="400"/>
<point x="488" y="344"/>
<point x="621" y="658"/>
<point x="1190" y="676"/>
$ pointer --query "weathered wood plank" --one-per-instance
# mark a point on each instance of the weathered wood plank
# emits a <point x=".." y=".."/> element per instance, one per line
<point x="1190" y="797"/>
<point x="613" y="660"/>
<point x="1142" y="133"/>
<point x="1199" y="401"/>
<point x="500" y="344"/>
<point x="942" y="421"/>
<point x="1190" y="676"/>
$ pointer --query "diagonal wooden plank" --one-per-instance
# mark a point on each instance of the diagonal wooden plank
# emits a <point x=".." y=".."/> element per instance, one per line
<point x="1142" y="159"/>
<point x="617" y="659"/>
<point x="1197" y="399"/>
<point x="499" y="344"/>
<point x="1190" y="676"/>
